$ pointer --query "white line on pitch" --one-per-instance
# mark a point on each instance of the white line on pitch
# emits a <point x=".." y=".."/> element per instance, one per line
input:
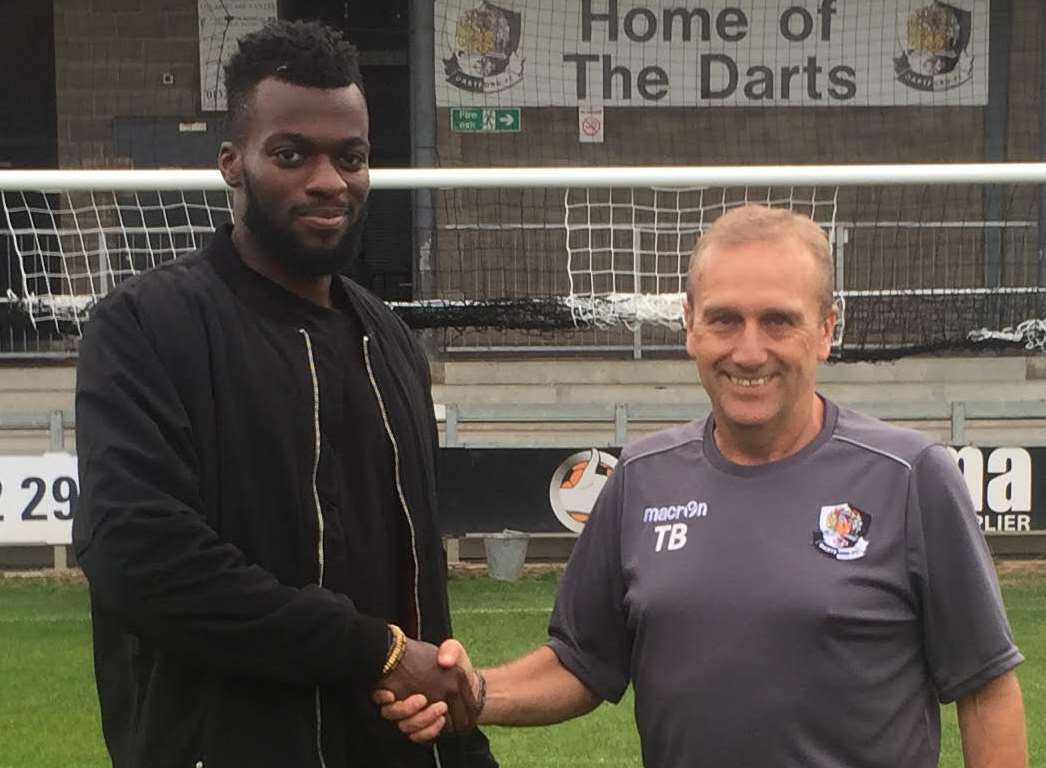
<point x="43" y="619"/>
<point x="484" y="611"/>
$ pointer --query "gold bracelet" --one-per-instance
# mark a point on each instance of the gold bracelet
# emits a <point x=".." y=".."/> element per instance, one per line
<point x="481" y="698"/>
<point x="396" y="651"/>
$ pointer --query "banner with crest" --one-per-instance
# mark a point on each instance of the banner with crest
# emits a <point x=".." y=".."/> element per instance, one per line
<point x="739" y="53"/>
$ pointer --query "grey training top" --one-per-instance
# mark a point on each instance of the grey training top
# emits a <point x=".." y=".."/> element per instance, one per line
<point x="808" y="612"/>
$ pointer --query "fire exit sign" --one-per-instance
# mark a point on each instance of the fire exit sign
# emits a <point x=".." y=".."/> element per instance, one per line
<point x="484" y="120"/>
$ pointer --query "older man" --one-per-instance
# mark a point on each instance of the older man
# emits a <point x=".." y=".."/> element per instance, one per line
<point x="787" y="582"/>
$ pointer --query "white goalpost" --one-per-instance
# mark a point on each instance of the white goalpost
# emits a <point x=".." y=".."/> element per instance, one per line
<point x="608" y="246"/>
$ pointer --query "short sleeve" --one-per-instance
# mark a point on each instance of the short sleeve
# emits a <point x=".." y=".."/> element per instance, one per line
<point x="966" y="635"/>
<point x="588" y="630"/>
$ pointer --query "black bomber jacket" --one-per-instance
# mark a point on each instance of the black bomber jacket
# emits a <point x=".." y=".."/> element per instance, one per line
<point x="198" y="527"/>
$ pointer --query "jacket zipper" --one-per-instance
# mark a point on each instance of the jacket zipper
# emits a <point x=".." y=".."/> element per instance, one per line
<point x="399" y="490"/>
<point x="319" y="511"/>
<point x="396" y="467"/>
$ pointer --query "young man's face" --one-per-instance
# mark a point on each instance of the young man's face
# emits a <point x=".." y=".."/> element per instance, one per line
<point x="302" y="161"/>
<point x="757" y="332"/>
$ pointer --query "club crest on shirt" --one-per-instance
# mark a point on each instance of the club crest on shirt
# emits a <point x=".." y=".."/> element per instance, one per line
<point x="843" y="531"/>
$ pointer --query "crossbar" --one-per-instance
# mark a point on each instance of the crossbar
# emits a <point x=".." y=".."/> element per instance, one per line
<point x="559" y="177"/>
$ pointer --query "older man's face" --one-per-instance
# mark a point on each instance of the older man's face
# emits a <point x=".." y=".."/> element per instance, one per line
<point x="757" y="332"/>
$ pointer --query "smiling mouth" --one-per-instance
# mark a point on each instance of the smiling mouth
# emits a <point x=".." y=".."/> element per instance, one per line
<point x="748" y="382"/>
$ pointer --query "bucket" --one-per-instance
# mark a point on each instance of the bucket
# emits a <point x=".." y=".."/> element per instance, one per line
<point x="506" y="553"/>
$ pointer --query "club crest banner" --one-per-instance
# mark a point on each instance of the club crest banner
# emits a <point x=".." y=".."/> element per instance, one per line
<point x="727" y="53"/>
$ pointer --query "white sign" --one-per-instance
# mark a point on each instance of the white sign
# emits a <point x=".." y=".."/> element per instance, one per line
<point x="222" y="24"/>
<point x="590" y="125"/>
<point x="38" y="498"/>
<point x="738" y="53"/>
<point x="1004" y="502"/>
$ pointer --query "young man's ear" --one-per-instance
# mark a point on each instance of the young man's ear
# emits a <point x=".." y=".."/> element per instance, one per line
<point x="230" y="164"/>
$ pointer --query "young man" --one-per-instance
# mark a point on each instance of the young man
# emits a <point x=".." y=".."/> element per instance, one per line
<point x="785" y="583"/>
<point x="256" y="445"/>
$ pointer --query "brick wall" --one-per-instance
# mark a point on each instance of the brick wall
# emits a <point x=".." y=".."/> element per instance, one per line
<point x="110" y="59"/>
<point x="1024" y="92"/>
<point x="111" y="56"/>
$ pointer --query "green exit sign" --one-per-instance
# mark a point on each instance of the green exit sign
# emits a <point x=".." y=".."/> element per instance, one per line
<point x="485" y="120"/>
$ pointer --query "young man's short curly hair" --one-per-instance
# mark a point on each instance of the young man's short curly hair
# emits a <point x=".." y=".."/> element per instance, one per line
<point x="297" y="52"/>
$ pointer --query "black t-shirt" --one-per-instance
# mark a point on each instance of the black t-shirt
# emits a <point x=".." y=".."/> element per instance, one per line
<point x="367" y="545"/>
<point x="366" y="540"/>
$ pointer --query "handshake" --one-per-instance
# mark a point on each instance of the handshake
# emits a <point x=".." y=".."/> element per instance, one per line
<point x="429" y="690"/>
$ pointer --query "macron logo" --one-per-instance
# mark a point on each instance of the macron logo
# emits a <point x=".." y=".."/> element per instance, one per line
<point x="672" y="535"/>
<point x="686" y="511"/>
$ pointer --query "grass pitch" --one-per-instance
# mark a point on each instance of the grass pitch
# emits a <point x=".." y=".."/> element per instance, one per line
<point x="49" y="713"/>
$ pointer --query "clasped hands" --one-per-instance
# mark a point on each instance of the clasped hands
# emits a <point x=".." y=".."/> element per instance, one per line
<point x="431" y="690"/>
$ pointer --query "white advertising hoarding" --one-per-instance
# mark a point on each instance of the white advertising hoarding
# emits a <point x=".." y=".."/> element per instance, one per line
<point x="38" y="494"/>
<point x="38" y="498"/>
<point x="737" y="53"/>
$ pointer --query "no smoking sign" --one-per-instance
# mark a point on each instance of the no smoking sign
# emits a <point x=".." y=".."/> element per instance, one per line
<point x="590" y="125"/>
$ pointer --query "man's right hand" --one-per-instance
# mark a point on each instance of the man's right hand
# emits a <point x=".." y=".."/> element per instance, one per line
<point x="425" y="670"/>
<point x="535" y="689"/>
<point x="422" y="717"/>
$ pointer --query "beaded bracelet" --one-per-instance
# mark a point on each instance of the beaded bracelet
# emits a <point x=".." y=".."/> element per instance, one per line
<point x="396" y="650"/>
<point x="481" y="697"/>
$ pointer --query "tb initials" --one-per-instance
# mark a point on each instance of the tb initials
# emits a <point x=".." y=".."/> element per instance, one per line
<point x="676" y="536"/>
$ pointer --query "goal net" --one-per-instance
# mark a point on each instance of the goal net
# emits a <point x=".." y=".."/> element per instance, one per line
<point x="72" y="247"/>
<point x="628" y="249"/>
<point x="926" y="258"/>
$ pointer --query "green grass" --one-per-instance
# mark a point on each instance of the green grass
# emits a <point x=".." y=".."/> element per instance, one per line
<point x="498" y="621"/>
<point x="49" y="713"/>
<point x="48" y="709"/>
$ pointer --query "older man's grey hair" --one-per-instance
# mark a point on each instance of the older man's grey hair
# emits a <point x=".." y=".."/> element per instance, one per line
<point x="758" y="223"/>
